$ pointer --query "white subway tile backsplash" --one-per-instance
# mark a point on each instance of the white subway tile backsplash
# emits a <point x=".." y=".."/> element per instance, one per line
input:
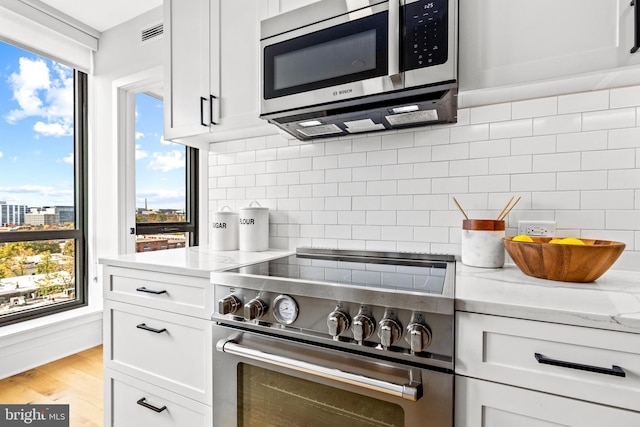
<point x="609" y="199"/>
<point x="583" y="141"/>
<point x="489" y="183"/>
<point x="574" y="159"/>
<point x="490" y="113"/>
<point x="469" y="167"/>
<point x="552" y="125"/>
<point x="511" y="129"/>
<point x="533" y="145"/>
<point x="624" y="178"/>
<point x="613" y="159"/>
<point x="580" y="102"/>
<point x="553" y="200"/>
<point x="414" y="155"/>
<point x="533" y="182"/>
<point x="493" y="148"/>
<point x="624" y="138"/>
<point x="625" y="97"/>
<point x="398" y="140"/>
<point x="534" y="108"/>
<point x="414" y="186"/>
<point x="609" y="119"/>
<point x="469" y="133"/>
<point x="510" y="165"/>
<point x="384" y="157"/>
<point x="564" y="162"/>
<point x="595" y="180"/>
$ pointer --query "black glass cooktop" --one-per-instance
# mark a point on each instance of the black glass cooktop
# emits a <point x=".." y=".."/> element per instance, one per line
<point x="404" y="275"/>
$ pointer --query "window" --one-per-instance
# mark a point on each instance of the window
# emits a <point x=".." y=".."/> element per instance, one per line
<point x="166" y="183"/>
<point x="43" y="113"/>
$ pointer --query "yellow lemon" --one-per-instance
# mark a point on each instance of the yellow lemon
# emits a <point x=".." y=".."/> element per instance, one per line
<point x="567" y="241"/>
<point x="522" y="238"/>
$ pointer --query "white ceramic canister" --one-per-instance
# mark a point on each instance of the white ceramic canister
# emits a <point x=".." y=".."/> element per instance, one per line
<point x="482" y="244"/>
<point x="253" y="228"/>
<point x="224" y="230"/>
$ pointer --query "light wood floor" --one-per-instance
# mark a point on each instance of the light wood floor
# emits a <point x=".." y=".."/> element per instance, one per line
<point x="75" y="380"/>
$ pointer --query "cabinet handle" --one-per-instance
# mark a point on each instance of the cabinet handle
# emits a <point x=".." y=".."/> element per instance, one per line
<point x="636" y="19"/>
<point x="150" y="291"/>
<point x="142" y="402"/>
<point x="616" y="371"/>
<point x="148" y="328"/>
<point x="202" y="101"/>
<point x="211" y="98"/>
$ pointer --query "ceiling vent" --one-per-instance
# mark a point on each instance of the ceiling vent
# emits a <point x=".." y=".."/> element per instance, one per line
<point x="151" y="33"/>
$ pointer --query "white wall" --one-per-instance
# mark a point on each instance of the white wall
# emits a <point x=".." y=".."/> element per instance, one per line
<point x="121" y="54"/>
<point x="574" y="159"/>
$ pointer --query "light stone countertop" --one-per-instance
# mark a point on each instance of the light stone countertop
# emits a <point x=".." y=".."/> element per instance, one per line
<point x="196" y="261"/>
<point x="611" y="302"/>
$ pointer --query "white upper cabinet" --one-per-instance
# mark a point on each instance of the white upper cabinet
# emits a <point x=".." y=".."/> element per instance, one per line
<point x="213" y="70"/>
<point x="506" y="42"/>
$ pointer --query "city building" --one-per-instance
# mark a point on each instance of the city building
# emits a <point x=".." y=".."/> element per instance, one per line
<point x="42" y="216"/>
<point x="12" y="214"/>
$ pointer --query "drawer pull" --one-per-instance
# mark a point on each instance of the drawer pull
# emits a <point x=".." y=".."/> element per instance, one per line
<point x="142" y="402"/>
<point x="616" y="371"/>
<point x="150" y="291"/>
<point x="148" y="328"/>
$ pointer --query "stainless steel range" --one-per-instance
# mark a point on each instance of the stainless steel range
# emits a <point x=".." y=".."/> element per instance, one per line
<point x="330" y="337"/>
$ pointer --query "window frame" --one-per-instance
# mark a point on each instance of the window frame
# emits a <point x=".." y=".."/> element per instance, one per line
<point x="80" y="232"/>
<point x="191" y="194"/>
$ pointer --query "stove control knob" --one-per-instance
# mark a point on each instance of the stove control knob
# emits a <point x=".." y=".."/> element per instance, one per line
<point x="338" y="322"/>
<point x="229" y="304"/>
<point x="389" y="332"/>
<point x="254" y="309"/>
<point x="418" y="336"/>
<point x="362" y="328"/>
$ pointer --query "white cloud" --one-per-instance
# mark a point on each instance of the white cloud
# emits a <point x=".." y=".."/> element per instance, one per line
<point x="69" y="159"/>
<point x="55" y="196"/>
<point x="139" y="135"/>
<point x="167" y="161"/>
<point x="158" y="199"/>
<point x="44" y="92"/>
<point x="140" y="154"/>
<point x="54" y="129"/>
<point x="1" y="154"/>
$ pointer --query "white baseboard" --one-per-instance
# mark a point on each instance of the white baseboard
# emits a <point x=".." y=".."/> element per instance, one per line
<point x="34" y="343"/>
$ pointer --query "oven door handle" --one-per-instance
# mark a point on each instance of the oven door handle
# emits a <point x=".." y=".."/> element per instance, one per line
<point x="411" y="391"/>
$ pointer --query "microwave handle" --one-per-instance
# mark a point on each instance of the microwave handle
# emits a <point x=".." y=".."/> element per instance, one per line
<point x="394" y="37"/>
<point x="411" y="392"/>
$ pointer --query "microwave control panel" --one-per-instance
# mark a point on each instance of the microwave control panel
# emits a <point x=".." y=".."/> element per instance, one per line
<point x="425" y="39"/>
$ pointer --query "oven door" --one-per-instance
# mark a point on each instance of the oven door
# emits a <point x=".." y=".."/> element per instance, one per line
<point x="266" y="381"/>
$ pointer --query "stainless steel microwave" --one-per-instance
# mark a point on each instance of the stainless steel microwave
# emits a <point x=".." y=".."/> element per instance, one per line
<point x="337" y="57"/>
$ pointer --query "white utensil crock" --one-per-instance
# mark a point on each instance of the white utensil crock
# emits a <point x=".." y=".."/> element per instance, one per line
<point x="254" y="228"/>
<point x="224" y="230"/>
<point x="482" y="244"/>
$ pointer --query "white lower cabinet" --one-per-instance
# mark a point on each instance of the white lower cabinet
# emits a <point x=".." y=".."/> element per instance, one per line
<point x="158" y="349"/>
<point x="515" y="372"/>
<point x="482" y="403"/>
<point x="133" y="403"/>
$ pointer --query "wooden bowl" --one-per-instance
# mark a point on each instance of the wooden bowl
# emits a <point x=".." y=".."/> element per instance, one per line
<point x="566" y="263"/>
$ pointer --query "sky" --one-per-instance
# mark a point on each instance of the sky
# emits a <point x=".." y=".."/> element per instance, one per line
<point x="36" y="138"/>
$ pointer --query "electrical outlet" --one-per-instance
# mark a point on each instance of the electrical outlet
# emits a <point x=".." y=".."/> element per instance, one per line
<point x="537" y="228"/>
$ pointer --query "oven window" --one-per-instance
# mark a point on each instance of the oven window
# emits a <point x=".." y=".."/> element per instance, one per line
<point x="349" y="52"/>
<point x="269" y="399"/>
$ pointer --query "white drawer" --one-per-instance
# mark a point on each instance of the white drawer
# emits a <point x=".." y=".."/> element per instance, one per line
<point x="122" y="409"/>
<point x="504" y="350"/>
<point x="188" y="295"/>
<point x="169" y="350"/>
<point x="487" y="404"/>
